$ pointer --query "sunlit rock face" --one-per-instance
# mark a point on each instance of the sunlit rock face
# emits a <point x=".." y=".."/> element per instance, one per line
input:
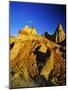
<point x="27" y="33"/>
<point x="35" y="60"/>
<point x="59" y="34"/>
<point x="28" y="30"/>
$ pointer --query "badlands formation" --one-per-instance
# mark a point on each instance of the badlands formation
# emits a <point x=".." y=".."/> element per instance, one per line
<point x="36" y="60"/>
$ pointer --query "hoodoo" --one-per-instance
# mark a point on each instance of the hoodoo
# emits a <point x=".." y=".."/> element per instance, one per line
<point x="59" y="34"/>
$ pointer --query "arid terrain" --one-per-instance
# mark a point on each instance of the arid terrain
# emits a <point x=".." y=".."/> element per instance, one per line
<point x="37" y="60"/>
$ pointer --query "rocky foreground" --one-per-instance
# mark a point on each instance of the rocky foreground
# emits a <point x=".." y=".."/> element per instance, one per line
<point x="36" y="61"/>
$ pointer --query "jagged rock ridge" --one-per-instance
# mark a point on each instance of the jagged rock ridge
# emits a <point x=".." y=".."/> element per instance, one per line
<point x="58" y="36"/>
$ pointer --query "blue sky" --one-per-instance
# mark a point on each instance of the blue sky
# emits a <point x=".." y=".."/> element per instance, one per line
<point x="44" y="17"/>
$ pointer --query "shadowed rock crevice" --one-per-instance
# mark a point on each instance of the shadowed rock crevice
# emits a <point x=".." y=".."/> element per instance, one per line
<point x="41" y="57"/>
<point x="41" y="81"/>
<point x="11" y="45"/>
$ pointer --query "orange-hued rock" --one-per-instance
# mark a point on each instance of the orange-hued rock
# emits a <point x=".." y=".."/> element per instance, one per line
<point x="25" y="30"/>
<point x="28" y="30"/>
<point x="33" y="55"/>
<point x="57" y="75"/>
<point x="28" y="33"/>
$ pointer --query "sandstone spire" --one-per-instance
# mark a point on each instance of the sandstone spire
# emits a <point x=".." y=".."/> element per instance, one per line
<point x="59" y="34"/>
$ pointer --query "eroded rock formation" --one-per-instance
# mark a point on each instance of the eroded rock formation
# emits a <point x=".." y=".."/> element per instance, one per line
<point x="36" y="61"/>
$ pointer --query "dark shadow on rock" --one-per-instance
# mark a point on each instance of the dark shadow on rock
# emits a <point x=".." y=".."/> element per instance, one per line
<point x="11" y="45"/>
<point x="41" y="60"/>
<point x="41" y="81"/>
<point x="41" y="57"/>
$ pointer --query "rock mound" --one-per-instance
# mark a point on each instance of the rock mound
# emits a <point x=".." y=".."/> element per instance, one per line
<point x="28" y="30"/>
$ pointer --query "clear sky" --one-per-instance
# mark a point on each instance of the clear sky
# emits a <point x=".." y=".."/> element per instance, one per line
<point x="44" y="17"/>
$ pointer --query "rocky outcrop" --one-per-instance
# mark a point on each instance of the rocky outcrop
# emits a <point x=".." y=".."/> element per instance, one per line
<point x="58" y="36"/>
<point x="57" y="75"/>
<point x="36" y="61"/>
<point x="28" y="33"/>
<point x="28" y="30"/>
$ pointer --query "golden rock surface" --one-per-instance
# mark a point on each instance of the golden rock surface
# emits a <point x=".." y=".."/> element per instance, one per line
<point x="32" y="56"/>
